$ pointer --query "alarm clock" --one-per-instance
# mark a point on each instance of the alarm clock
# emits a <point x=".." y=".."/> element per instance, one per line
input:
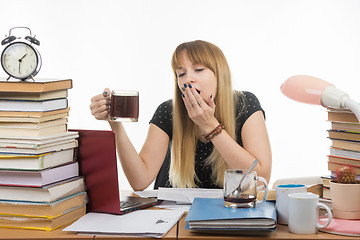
<point x="20" y="59"/>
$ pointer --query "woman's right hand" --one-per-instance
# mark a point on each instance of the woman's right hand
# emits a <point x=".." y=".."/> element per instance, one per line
<point x="100" y="105"/>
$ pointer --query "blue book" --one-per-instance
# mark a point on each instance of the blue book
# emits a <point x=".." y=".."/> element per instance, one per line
<point x="210" y="214"/>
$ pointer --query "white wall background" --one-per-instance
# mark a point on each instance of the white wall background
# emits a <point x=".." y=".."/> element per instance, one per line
<point x="128" y="45"/>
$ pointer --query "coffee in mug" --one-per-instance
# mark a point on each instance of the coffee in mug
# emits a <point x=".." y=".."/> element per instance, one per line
<point x="124" y="106"/>
<point x="240" y="188"/>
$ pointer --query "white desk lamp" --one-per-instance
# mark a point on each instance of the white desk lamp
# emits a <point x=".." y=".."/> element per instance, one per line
<point x="308" y="89"/>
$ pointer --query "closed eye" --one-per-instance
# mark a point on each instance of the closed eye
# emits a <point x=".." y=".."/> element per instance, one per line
<point x="199" y="69"/>
<point x="181" y="75"/>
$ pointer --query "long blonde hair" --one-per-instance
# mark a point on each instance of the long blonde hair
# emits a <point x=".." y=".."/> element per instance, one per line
<point x="182" y="167"/>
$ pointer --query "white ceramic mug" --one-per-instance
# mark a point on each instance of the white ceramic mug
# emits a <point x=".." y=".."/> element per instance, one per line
<point x="304" y="213"/>
<point x="282" y="200"/>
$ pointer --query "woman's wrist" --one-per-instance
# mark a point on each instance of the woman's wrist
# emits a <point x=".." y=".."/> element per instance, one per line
<point x="217" y="130"/>
<point x="115" y="125"/>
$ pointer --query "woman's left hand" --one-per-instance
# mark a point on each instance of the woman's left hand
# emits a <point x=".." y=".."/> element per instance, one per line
<point x="200" y="111"/>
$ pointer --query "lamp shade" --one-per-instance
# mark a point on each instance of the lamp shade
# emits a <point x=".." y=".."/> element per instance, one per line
<point x="305" y="89"/>
<point x="308" y="89"/>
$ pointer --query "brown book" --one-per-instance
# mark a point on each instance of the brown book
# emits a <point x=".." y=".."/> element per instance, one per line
<point x="42" y="223"/>
<point x="36" y="209"/>
<point x="40" y="85"/>
<point x="33" y="125"/>
<point x="344" y="161"/>
<point x="335" y="166"/>
<point x="9" y="114"/>
<point x="316" y="189"/>
<point x="342" y="116"/>
<point x="326" y="193"/>
<point x="349" y="145"/>
<point x="33" y="119"/>
<point x="326" y="180"/>
<point x="343" y="126"/>
<point x="38" y="96"/>
<point x="31" y="132"/>
<point x="352" y="136"/>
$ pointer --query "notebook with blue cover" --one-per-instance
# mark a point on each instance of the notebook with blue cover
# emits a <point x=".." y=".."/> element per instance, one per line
<point x="210" y="214"/>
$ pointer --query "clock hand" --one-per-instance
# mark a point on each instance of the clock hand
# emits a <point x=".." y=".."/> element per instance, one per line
<point x="22" y="57"/>
<point x="20" y="60"/>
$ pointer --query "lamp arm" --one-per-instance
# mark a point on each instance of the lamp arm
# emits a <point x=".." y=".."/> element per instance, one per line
<point x="354" y="107"/>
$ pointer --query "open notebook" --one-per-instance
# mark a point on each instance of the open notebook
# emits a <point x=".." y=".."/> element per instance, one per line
<point x="98" y="164"/>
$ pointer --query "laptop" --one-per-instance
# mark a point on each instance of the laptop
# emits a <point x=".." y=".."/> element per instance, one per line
<point x="96" y="155"/>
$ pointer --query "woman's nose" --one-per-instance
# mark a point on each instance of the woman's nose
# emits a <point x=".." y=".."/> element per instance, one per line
<point x="190" y="78"/>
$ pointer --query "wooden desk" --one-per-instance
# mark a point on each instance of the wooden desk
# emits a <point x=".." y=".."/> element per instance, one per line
<point x="37" y="234"/>
<point x="281" y="233"/>
<point x="177" y="232"/>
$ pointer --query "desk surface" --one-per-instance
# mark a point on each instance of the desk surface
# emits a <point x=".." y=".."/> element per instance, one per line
<point x="38" y="234"/>
<point x="177" y="232"/>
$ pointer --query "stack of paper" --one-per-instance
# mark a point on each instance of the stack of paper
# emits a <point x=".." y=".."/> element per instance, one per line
<point x="210" y="215"/>
<point x="142" y="223"/>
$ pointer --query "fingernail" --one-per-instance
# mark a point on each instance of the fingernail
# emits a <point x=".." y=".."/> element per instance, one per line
<point x="105" y="93"/>
<point x="182" y="95"/>
<point x="185" y="85"/>
<point x="190" y="86"/>
<point x="210" y="95"/>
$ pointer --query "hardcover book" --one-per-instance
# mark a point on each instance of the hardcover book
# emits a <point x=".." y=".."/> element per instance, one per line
<point x="45" y="194"/>
<point x="344" y="135"/>
<point x="34" y="96"/>
<point x="32" y="115"/>
<point x="337" y="115"/>
<point x="36" y="209"/>
<point x="42" y="223"/>
<point x="38" y="178"/>
<point x="33" y="106"/>
<point x="36" y="162"/>
<point x="40" y="85"/>
<point x="46" y="148"/>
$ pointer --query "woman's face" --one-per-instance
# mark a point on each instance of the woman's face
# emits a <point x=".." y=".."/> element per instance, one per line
<point x="200" y="77"/>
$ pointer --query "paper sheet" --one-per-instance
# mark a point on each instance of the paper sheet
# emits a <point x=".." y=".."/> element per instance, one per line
<point x="145" y="223"/>
<point x="147" y="193"/>
<point x="187" y="195"/>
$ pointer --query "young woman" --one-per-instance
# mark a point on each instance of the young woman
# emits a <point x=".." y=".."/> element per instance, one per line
<point x="207" y="128"/>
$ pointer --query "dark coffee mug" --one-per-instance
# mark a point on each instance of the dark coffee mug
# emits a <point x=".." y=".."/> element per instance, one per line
<point x="124" y="106"/>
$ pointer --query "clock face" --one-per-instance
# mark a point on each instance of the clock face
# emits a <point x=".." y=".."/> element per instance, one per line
<point x="20" y="60"/>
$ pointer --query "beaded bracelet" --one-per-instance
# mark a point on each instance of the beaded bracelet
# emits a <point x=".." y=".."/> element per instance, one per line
<point x="214" y="132"/>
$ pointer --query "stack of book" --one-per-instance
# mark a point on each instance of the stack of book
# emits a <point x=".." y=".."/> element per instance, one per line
<point x="209" y="215"/>
<point x="345" y="145"/>
<point x="40" y="186"/>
